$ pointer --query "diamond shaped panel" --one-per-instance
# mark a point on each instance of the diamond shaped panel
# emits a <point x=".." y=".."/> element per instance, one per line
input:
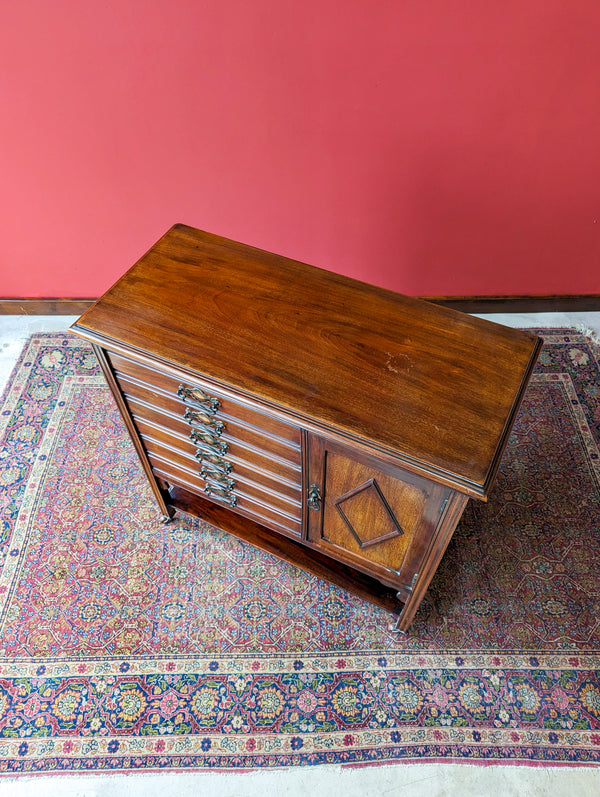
<point x="368" y="515"/>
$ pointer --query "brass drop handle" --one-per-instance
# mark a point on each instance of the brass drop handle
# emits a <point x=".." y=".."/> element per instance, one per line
<point x="204" y="455"/>
<point x="216" y="476"/>
<point x="203" y="436"/>
<point x="220" y="495"/>
<point x="314" y="498"/>
<point x="201" y="416"/>
<point x="199" y="396"/>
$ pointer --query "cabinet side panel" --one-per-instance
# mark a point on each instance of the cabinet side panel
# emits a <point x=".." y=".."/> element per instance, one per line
<point x="443" y="534"/>
<point x="112" y="383"/>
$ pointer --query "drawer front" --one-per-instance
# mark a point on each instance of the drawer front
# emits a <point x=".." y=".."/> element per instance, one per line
<point x="219" y="448"/>
<point x="178" y="419"/>
<point x="249" y="506"/>
<point x="236" y="481"/>
<point x="276" y="477"/>
<point x="162" y="385"/>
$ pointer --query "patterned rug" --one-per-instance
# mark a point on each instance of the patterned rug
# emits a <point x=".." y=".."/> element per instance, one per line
<point x="129" y="645"/>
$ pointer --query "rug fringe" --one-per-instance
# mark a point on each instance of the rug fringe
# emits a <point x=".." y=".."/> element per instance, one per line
<point x="589" y="333"/>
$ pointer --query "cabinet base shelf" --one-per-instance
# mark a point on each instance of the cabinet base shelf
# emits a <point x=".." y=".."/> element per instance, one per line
<point x="289" y="550"/>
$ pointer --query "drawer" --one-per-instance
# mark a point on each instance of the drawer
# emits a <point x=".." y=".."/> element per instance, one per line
<point x="247" y="484"/>
<point x="238" y="454"/>
<point x="183" y="453"/>
<point x="155" y="386"/>
<point x="250" y="505"/>
<point x="233" y="432"/>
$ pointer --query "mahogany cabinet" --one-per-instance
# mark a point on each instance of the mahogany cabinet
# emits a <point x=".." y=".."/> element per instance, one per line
<point x="341" y="426"/>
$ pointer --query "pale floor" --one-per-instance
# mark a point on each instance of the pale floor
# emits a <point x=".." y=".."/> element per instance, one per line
<point x="408" y="780"/>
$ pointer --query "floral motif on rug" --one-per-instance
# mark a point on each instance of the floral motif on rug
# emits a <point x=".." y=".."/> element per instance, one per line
<point x="127" y="644"/>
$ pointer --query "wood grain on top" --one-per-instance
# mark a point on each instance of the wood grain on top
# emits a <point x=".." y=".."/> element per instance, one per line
<point x="436" y="386"/>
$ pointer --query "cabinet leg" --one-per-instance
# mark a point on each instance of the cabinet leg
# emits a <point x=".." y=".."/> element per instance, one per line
<point x="431" y="561"/>
<point x="399" y="627"/>
<point x="395" y="629"/>
<point x="403" y="621"/>
<point x="166" y="511"/>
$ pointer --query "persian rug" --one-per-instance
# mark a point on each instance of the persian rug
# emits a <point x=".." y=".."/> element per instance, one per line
<point x="129" y="645"/>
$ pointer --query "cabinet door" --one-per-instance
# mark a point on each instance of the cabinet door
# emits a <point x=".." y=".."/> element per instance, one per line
<point x="376" y="517"/>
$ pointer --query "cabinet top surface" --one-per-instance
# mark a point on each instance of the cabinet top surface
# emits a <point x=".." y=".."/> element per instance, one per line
<point x="436" y="386"/>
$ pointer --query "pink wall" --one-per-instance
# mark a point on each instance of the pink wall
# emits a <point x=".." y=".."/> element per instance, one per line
<point x="435" y="148"/>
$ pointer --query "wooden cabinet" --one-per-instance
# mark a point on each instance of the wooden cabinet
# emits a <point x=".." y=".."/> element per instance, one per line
<point x="341" y="426"/>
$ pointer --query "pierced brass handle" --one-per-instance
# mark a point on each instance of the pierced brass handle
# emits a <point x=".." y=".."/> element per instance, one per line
<point x="205" y="437"/>
<point x="200" y="416"/>
<point x="218" y="477"/>
<point x="199" y="396"/>
<point x="203" y="454"/>
<point x="314" y="498"/>
<point x="220" y="495"/>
